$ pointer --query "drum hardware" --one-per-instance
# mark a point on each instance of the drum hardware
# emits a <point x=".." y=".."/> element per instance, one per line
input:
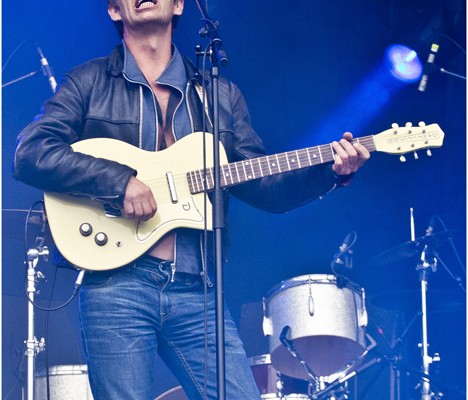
<point x="424" y="248"/>
<point x="288" y="343"/>
<point x="33" y="346"/>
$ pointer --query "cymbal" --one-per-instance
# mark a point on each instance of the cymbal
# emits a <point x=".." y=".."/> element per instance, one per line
<point x="411" y="248"/>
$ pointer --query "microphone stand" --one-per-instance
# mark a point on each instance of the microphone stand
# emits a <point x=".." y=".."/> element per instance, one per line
<point x="217" y="57"/>
<point x="29" y="75"/>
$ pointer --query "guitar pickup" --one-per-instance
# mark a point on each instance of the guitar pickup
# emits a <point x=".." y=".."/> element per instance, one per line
<point x="172" y="189"/>
<point x="111" y="212"/>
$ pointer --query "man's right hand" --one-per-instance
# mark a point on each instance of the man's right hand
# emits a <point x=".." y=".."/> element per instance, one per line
<point x="139" y="202"/>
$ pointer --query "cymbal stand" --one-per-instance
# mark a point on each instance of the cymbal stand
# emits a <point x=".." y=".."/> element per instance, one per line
<point x="423" y="267"/>
<point x="33" y="346"/>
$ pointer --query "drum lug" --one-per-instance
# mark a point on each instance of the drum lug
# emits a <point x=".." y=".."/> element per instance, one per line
<point x="363" y="317"/>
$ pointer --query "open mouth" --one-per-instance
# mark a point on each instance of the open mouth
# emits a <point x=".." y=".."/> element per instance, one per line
<point x="145" y="3"/>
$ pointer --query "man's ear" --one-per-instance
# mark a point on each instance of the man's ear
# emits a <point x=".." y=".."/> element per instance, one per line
<point x="179" y="7"/>
<point x="114" y="13"/>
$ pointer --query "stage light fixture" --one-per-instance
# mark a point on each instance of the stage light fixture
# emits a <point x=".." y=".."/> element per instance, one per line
<point x="404" y="63"/>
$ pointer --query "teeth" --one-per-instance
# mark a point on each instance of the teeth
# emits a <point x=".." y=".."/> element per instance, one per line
<point x="145" y="3"/>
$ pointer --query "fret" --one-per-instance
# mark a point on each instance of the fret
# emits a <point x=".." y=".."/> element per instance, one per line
<point x="278" y="163"/>
<point x="199" y="181"/>
<point x="320" y="154"/>
<point x="232" y="170"/>
<point x="223" y="175"/>
<point x="259" y="160"/>
<point x="210" y="173"/>
<point x="286" y="155"/>
<point x="298" y="159"/>
<point x="190" y="182"/>
<point x="268" y="164"/>
<point x="314" y="155"/>
<point x="227" y="174"/>
<point x="237" y="172"/>
<point x="248" y="164"/>
<point x="260" y="167"/>
<point x="196" y="181"/>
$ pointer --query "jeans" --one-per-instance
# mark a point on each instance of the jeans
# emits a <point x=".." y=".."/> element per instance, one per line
<point x="131" y="314"/>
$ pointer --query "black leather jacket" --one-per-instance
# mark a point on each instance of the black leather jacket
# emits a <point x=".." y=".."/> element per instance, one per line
<point x="95" y="100"/>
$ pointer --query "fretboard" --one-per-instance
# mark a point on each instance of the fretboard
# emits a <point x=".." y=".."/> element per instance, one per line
<point x="256" y="168"/>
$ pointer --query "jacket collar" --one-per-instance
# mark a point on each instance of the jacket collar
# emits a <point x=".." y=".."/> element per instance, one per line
<point x="115" y="65"/>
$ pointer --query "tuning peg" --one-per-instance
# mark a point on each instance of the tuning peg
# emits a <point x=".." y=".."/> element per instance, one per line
<point x="408" y="126"/>
<point x="395" y="128"/>
<point x="416" y="157"/>
<point x="422" y="125"/>
<point x="402" y="158"/>
<point x="429" y="152"/>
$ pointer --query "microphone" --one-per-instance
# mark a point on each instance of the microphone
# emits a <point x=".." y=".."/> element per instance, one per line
<point x="430" y="227"/>
<point x="47" y="70"/>
<point x="345" y="248"/>
<point x="348" y="241"/>
<point x="429" y="67"/>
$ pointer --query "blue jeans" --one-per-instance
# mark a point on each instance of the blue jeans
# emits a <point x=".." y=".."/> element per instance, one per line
<point x="131" y="314"/>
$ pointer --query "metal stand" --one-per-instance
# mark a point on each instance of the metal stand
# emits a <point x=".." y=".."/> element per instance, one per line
<point x="33" y="346"/>
<point x="30" y="74"/>
<point x="217" y="57"/>
<point x="423" y="268"/>
<point x="426" y="262"/>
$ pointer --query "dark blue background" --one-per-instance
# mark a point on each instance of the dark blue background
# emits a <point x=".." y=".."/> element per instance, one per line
<point x="309" y="71"/>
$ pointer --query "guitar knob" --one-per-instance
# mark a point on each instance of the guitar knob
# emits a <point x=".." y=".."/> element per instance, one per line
<point x="86" y="229"/>
<point x="100" y="238"/>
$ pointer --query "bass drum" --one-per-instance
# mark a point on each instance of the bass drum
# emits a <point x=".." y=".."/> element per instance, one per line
<point x="323" y="319"/>
<point x="66" y="382"/>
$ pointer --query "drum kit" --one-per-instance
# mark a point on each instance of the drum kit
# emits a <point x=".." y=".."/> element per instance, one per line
<point x="317" y="333"/>
<point x="316" y="326"/>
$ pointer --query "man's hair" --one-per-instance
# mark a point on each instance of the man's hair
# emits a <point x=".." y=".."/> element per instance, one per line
<point x="119" y="25"/>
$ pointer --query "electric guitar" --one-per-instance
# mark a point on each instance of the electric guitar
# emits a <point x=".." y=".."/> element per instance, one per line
<point x="93" y="236"/>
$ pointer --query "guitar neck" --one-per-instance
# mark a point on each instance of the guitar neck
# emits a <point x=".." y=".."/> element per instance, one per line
<point x="255" y="168"/>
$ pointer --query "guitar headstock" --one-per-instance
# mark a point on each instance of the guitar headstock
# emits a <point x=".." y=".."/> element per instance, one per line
<point x="407" y="139"/>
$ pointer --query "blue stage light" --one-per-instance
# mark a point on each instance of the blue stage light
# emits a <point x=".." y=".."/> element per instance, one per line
<point x="404" y="63"/>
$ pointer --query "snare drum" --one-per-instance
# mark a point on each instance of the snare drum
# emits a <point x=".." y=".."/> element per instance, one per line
<point x="327" y="324"/>
<point x="66" y="382"/>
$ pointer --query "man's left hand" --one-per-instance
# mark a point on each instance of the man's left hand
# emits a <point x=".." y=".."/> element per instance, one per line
<point x="349" y="157"/>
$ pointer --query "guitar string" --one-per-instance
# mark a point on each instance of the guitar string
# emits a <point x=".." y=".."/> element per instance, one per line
<point x="257" y="166"/>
